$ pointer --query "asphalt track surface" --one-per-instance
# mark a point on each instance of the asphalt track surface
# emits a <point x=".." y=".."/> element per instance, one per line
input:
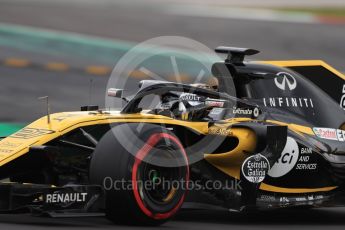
<point x="136" y="23"/>
<point x="140" y="22"/>
<point x="20" y="87"/>
<point x="200" y="220"/>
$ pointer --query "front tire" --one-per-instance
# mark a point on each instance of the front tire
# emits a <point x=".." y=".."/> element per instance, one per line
<point x="131" y="162"/>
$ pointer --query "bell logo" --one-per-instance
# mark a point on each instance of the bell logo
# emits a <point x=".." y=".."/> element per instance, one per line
<point x="287" y="161"/>
<point x="285" y="80"/>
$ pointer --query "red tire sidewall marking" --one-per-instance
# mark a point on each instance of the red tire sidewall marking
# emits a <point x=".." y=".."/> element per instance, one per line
<point x="142" y="153"/>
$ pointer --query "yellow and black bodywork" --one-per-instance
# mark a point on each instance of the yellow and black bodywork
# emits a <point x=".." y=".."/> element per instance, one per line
<point x="298" y="129"/>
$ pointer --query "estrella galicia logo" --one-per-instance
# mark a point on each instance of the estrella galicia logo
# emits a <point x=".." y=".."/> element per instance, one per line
<point x="285" y="81"/>
<point x="255" y="168"/>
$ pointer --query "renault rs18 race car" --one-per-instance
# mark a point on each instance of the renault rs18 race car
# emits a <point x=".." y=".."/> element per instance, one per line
<point x="279" y="143"/>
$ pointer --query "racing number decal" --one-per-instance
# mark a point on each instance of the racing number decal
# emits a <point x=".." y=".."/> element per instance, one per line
<point x="342" y="100"/>
<point x="28" y="133"/>
<point x="287" y="161"/>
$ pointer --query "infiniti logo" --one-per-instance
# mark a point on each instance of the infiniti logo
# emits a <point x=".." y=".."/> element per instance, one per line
<point x="284" y="80"/>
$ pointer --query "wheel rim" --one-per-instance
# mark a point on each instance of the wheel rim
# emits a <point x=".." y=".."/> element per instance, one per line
<point x="170" y="208"/>
<point x="162" y="180"/>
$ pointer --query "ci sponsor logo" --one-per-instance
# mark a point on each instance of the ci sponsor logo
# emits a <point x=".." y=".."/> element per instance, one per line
<point x="287" y="161"/>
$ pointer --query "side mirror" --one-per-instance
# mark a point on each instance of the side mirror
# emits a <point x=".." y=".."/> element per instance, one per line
<point x="112" y="92"/>
<point x="118" y="93"/>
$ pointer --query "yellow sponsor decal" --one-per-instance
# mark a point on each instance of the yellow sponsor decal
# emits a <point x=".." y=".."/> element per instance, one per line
<point x="220" y="130"/>
<point x="28" y="133"/>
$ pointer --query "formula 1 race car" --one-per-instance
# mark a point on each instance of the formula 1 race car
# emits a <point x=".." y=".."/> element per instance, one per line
<point x="280" y="142"/>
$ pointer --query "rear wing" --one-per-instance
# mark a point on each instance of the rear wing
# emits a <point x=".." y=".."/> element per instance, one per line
<point x="321" y="74"/>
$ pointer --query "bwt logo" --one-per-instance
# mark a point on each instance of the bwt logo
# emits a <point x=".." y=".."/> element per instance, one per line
<point x="285" y="80"/>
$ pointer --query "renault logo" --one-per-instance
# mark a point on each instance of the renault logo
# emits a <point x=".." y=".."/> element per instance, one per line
<point x="285" y="80"/>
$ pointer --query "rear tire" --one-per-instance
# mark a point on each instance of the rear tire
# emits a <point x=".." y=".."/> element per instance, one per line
<point x="125" y="161"/>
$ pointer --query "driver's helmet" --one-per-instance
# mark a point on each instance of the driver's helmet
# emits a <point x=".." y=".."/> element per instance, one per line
<point x="212" y="85"/>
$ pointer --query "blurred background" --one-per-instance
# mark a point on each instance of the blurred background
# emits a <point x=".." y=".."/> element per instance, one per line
<point x="57" y="47"/>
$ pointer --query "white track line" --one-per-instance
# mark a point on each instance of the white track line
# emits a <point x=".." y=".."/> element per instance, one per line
<point x="241" y="13"/>
<point x="237" y="3"/>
